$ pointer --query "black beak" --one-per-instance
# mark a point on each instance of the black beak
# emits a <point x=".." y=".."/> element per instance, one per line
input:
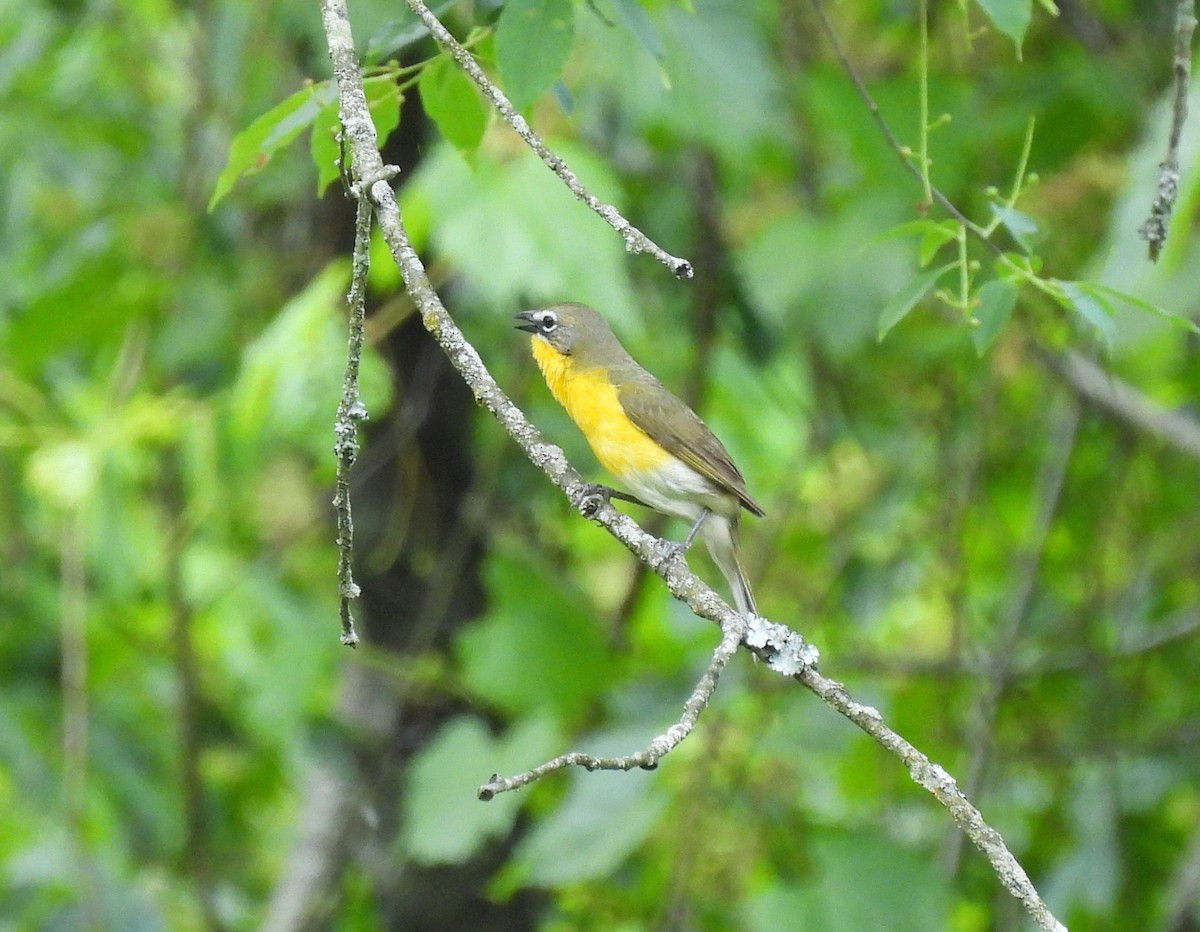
<point x="529" y="326"/>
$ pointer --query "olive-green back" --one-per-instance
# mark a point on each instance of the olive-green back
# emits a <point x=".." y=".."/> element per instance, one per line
<point x="679" y="430"/>
<point x="652" y="407"/>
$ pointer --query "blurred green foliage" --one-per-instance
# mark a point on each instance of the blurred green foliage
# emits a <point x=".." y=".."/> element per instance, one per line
<point x="947" y="519"/>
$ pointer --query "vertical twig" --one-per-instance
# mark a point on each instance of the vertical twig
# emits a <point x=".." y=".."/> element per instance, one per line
<point x="1154" y="228"/>
<point x="196" y="855"/>
<point x="73" y="577"/>
<point x="923" y="154"/>
<point x="350" y="411"/>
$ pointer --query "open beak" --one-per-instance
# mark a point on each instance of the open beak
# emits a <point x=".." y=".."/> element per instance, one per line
<point x="528" y="326"/>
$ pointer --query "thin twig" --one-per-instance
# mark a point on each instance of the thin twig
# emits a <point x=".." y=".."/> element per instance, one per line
<point x="1166" y="632"/>
<point x="1123" y="401"/>
<point x="785" y="651"/>
<point x="197" y="847"/>
<point x="75" y="708"/>
<point x="350" y="411"/>
<point x="658" y="747"/>
<point x="1154" y="228"/>
<point x="923" y="160"/>
<point x="635" y="240"/>
<point x="894" y="143"/>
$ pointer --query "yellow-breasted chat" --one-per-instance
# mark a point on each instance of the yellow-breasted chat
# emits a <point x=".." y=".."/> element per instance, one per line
<point x="642" y="434"/>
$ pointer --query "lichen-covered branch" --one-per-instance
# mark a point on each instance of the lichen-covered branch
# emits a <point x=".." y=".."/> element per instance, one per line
<point x="933" y="778"/>
<point x="784" y="650"/>
<point x="658" y="748"/>
<point x="349" y="412"/>
<point x="1154" y="228"/>
<point x="635" y="239"/>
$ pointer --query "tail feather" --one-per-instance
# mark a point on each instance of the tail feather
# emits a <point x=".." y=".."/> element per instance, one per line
<point x="721" y="538"/>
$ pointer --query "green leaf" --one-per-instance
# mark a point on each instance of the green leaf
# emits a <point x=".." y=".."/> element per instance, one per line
<point x="500" y="220"/>
<point x="291" y="369"/>
<point x="453" y="103"/>
<point x="638" y="22"/>
<point x="383" y="100"/>
<point x="907" y="297"/>
<point x="533" y="654"/>
<point x="253" y="148"/>
<point x="533" y="42"/>
<point x="854" y="882"/>
<point x="1020" y="225"/>
<point x="1095" y="309"/>
<point x="401" y="32"/>
<point x="934" y="235"/>
<point x="583" y="839"/>
<point x="1011" y="17"/>
<point x="997" y="299"/>
<point x="900" y="230"/>
<point x="934" y="239"/>
<point x="324" y="147"/>
<point x="1184" y="323"/>
<point x="444" y="823"/>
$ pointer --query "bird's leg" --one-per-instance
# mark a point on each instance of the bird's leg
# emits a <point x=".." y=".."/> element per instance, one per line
<point x="589" y="499"/>
<point x="670" y="548"/>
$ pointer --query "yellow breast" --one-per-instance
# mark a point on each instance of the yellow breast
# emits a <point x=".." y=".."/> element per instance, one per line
<point x="591" y="400"/>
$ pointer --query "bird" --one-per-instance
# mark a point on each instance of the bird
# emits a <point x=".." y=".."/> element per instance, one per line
<point x="643" y="435"/>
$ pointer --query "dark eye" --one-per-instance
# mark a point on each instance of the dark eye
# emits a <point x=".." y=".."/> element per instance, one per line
<point x="548" y="323"/>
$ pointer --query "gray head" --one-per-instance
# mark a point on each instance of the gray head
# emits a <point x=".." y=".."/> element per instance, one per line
<point x="570" y="328"/>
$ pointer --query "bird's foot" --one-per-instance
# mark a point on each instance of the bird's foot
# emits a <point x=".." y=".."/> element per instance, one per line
<point x="668" y="550"/>
<point x="591" y="498"/>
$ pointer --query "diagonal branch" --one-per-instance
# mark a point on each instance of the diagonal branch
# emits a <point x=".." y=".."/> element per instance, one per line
<point x="1126" y="403"/>
<point x="933" y="778"/>
<point x="785" y="651"/>
<point x="635" y="239"/>
<point x="658" y="748"/>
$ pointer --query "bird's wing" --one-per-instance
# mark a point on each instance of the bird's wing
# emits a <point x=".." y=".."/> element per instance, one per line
<point x="680" y="431"/>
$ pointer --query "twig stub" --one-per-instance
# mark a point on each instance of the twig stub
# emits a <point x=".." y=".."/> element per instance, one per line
<point x="1154" y="228"/>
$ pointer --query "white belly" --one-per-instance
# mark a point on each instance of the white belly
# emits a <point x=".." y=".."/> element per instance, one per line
<point x="677" y="489"/>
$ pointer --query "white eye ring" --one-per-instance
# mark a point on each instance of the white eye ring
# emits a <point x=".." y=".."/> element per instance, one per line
<point x="547" y="323"/>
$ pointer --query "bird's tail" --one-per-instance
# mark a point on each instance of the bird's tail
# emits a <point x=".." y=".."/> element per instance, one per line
<point x="721" y="538"/>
